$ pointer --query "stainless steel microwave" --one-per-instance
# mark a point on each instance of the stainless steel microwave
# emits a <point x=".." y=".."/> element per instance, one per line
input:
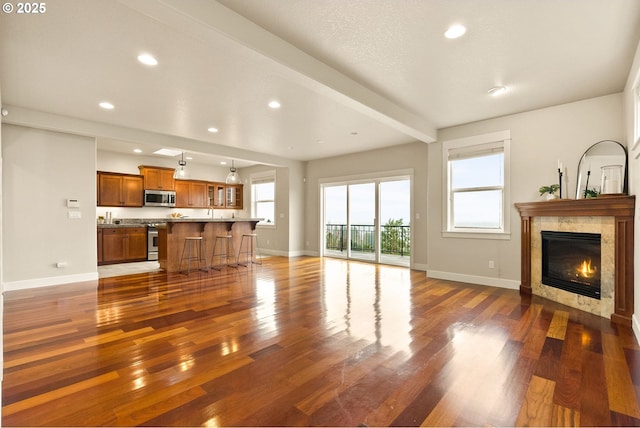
<point x="159" y="198"/>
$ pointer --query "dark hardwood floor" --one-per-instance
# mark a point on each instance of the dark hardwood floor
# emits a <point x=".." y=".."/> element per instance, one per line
<point x="311" y="342"/>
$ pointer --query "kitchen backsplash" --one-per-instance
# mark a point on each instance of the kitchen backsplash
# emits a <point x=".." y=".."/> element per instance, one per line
<point x="160" y="212"/>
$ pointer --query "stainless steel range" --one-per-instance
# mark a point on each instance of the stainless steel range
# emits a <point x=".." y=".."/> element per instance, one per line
<point x="152" y="241"/>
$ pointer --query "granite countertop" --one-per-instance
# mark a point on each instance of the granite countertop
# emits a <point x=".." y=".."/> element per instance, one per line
<point x="132" y="222"/>
<point x="210" y="220"/>
<point x="113" y="225"/>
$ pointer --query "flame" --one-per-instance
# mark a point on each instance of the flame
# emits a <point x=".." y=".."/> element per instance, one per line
<point x="586" y="270"/>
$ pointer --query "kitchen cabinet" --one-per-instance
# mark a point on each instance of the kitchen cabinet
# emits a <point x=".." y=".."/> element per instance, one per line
<point x="234" y="196"/>
<point x="227" y="196"/>
<point x="157" y="178"/>
<point x="123" y="244"/>
<point x="216" y="195"/>
<point x="119" y="190"/>
<point x="192" y="194"/>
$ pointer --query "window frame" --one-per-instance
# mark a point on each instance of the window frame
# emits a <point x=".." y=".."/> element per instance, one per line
<point x="468" y="146"/>
<point x="636" y="115"/>
<point x="260" y="178"/>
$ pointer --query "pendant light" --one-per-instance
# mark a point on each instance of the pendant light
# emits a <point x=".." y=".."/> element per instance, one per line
<point x="232" y="177"/>
<point x="181" y="172"/>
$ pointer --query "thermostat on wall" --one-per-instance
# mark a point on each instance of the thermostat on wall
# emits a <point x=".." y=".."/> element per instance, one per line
<point x="73" y="203"/>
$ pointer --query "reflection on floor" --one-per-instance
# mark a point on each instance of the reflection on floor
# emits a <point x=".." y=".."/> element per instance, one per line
<point x="120" y="269"/>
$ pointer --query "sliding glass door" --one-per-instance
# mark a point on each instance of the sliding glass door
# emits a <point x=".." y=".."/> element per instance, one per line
<point x="395" y="227"/>
<point x="362" y="221"/>
<point x="368" y="220"/>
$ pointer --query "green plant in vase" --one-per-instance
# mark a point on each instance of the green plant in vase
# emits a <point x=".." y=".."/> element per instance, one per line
<point x="550" y="190"/>
<point x="590" y="193"/>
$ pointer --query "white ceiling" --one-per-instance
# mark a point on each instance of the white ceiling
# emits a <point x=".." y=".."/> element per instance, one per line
<point x="351" y="75"/>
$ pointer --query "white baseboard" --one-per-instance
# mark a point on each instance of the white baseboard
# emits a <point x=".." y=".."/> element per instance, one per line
<point x="474" y="279"/>
<point x="420" y="266"/>
<point x="47" y="282"/>
<point x="282" y="253"/>
<point x="635" y="325"/>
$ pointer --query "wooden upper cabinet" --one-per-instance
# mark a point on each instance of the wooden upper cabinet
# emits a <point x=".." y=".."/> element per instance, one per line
<point x="217" y="195"/>
<point x="192" y="194"/>
<point x="119" y="190"/>
<point x="234" y="196"/>
<point x="199" y="194"/>
<point x="157" y="178"/>
<point x="132" y="190"/>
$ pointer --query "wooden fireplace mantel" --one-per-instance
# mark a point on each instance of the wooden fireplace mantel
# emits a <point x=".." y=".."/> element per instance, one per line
<point x="622" y="208"/>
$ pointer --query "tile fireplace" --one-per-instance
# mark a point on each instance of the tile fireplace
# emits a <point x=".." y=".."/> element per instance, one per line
<point x="609" y="217"/>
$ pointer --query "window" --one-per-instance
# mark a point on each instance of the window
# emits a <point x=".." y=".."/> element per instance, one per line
<point x="263" y="197"/>
<point x="476" y="177"/>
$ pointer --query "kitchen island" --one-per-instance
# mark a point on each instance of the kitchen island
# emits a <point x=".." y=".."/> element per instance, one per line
<point x="171" y="236"/>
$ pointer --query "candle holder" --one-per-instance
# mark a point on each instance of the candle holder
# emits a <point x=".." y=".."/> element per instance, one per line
<point x="586" y="186"/>
<point x="560" y="181"/>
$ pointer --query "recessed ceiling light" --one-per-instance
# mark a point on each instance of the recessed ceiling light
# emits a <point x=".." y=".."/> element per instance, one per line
<point x="168" y="152"/>
<point x="212" y="130"/>
<point x="290" y="147"/>
<point x="455" y="31"/>
<point x="320" y="142"/>
<point x="106" y="105"/>
<point x="354" y="132"/>
<point x="188" y="157"/>
<point x="497" y="91"/>
<point x="223" y="163"/>
<point x="274" y="104"/>
<point x="137" y="151"/>
<point x="147" y="59"/>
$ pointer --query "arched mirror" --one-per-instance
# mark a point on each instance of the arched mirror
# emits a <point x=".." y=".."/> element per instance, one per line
<point x="602" y="170"/>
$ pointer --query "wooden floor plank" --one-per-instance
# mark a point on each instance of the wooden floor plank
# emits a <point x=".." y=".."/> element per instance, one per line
<point x="622" y="396"/>
<point x="310" y="342"/>
<point x="538" y="407"/>
<point x="558" y="326"/>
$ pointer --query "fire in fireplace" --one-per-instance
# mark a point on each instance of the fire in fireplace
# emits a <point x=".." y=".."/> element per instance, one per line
<point x="571" y="262"/>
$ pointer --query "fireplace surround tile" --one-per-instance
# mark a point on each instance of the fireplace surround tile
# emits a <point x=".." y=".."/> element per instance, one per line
<point x="605" y="226"/>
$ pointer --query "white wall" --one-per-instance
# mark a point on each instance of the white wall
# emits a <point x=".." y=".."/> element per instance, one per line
<point x="634" y="177"/>
<point x="412" y="156"/>
<point x="297" y="208"/>
<point x="41" y="170"/>
<point x="539" y="139"/>
<point x="274" y="239"/>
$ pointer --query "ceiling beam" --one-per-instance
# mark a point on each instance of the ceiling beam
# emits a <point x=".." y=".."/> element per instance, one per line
<point x="207" y="19"/>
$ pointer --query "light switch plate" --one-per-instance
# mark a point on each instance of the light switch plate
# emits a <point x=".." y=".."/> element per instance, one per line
<point x="75" y="214"/>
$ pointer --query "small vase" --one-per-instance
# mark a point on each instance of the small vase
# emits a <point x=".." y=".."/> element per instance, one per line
<point x="551" y="196"/>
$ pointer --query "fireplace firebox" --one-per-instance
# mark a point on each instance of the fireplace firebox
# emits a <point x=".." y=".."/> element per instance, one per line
<point x="571" y="262"/>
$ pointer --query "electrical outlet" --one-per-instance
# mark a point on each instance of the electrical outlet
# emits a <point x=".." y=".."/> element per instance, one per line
<point x="491" y="264"/>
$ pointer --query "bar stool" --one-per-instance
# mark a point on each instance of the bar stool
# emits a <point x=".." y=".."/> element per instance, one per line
<point x="226" y="242"/>
<point x="252" y="242"/>
<point x="192" y="243"/>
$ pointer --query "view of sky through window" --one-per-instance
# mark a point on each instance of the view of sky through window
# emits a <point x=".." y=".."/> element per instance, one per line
<point x="394" y="203"/>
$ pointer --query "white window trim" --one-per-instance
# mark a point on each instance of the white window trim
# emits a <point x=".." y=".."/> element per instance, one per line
<point x="503" y="137"/>
<point x="264" y="175"/>
<point x="636" y="115"/>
